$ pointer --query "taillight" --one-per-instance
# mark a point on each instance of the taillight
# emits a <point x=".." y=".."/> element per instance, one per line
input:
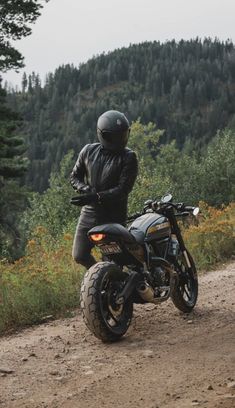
<point x="97" y="237"/>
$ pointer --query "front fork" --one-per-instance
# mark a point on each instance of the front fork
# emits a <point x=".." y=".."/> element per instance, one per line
<point x="187" y="259"/>
<point x="177" y="232"/>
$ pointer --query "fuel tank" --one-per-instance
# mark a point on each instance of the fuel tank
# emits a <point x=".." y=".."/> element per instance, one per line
<point x="155" y="226"/>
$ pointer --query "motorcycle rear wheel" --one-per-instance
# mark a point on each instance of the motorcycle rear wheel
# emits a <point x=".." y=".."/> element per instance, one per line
<point x="184" y="295"/>
<point x="104" y="318"/>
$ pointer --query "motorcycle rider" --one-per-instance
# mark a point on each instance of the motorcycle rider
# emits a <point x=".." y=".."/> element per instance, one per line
<point x="104" y="175"/>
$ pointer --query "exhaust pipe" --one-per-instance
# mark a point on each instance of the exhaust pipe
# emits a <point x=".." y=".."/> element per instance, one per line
<point x="146" y="292"/>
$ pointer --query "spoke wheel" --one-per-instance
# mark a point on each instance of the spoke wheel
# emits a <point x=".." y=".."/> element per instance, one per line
<point x="101" y="284"/>
<point x="185" y="294"/>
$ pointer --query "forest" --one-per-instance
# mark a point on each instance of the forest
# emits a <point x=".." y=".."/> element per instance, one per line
<point x="185" y="88"/>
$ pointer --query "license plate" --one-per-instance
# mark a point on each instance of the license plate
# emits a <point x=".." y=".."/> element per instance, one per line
<point x="110" y="249"/>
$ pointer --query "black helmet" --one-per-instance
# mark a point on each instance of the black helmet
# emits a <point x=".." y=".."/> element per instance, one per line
<point x="113" y="130"/>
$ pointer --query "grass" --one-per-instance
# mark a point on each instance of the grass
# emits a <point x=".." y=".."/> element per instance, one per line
<point x="45" y="281"/>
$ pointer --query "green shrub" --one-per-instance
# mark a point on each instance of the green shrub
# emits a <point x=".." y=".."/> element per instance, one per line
<point x="213" y="240"/>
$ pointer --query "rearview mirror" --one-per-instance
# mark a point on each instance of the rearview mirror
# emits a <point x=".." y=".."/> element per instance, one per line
<point x="196" y="211"/>
<point x="166" y="198"/>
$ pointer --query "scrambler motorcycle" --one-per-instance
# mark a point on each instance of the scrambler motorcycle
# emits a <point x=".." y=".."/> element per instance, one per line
<point x="144" y="263"/>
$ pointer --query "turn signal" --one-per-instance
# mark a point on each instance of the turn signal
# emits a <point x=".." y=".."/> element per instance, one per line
<point x="97" y="237"/>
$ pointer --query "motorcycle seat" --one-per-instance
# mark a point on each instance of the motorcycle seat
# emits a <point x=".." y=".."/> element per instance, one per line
<point x="115" y="230"/>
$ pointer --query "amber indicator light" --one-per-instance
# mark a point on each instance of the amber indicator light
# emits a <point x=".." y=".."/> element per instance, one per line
<point x="97" y="237"/>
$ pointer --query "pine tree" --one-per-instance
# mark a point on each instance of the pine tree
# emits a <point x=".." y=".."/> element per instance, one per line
<point x="15" y="20"/>
<point x="12" y="167"/>
<point x="24" y="82"/>
<point x="16" y="17"/>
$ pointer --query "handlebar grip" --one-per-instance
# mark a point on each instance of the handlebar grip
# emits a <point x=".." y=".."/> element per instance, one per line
<point x="182" y="214"/>
<point x="188" y="208"/>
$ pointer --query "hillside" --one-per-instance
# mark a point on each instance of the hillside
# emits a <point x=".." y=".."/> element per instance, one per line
<point x="186" y="88"/>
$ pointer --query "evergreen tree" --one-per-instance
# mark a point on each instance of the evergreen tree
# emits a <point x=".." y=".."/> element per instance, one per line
<point x="24" y="82"/>
<point x="15" y="20"/>
<point x="12" y="197"/>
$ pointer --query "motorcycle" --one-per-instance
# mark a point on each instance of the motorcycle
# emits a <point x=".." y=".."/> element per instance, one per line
<point x="144" y="263"/>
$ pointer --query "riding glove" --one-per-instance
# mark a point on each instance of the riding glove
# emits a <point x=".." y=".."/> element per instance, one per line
<point x="84" y="199"/>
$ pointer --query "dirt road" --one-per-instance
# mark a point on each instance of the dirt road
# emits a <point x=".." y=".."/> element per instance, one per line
<point x="166" y="359"/>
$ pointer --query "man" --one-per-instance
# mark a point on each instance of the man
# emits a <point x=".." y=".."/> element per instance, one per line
<point x="104" y="174"/>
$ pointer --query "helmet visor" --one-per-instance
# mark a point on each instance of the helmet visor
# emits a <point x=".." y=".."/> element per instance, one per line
<point x="120" y="138"/>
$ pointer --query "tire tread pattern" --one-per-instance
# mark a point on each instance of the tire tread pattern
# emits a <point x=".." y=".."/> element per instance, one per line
<point x="91" y="312"/>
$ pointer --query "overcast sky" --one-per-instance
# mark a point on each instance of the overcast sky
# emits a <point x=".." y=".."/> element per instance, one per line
<point x="72" y="31"/>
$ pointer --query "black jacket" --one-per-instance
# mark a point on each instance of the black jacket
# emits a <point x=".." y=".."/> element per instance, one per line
<point x="110" y="174"/>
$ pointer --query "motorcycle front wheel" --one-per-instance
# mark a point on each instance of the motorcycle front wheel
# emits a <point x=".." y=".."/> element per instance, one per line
<point x="101" y="284"/>
<point x="184" y="295"/>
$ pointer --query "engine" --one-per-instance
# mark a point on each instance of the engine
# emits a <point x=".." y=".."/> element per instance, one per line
<point x="160" y="288"/>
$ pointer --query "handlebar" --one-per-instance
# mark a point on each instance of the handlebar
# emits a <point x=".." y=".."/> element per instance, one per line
<point x="189" y="208"/>
<point x="181" y="207"/>
<point x="158" y="206"/>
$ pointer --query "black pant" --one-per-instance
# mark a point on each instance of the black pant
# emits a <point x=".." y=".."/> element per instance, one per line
<point x="82" y="246"/>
